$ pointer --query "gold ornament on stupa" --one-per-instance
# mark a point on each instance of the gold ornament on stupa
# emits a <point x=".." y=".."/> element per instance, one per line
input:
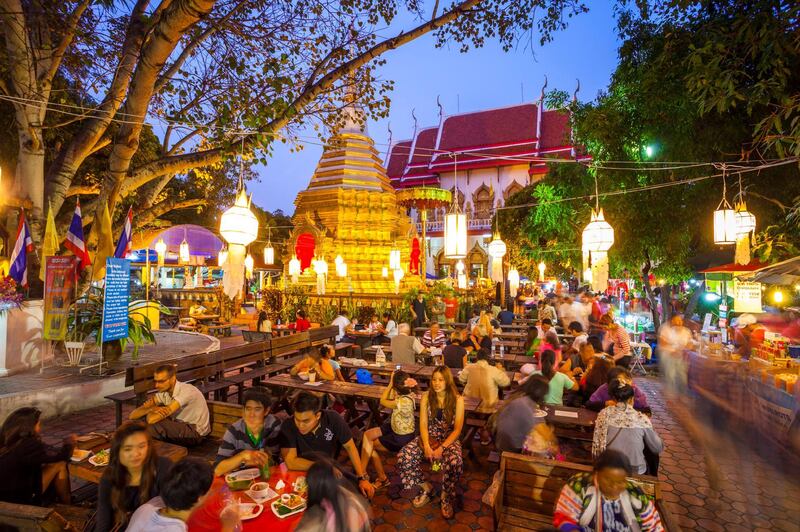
<point x="350" y="210"/>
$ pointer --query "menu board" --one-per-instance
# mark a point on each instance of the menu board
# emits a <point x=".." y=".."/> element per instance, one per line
<point x="59" y="285"/>
<point x="115" y="301"/>
<point x="747" y="297"/>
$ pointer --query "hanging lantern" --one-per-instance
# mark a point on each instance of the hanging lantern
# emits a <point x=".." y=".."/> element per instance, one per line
<point x="398" y="276"/>
<point x="745" y="226"/>
<point x="394" y="259"/>
<point x="385" y="272"/>
<point x="460" y="266"/>
<point x="462" y="281"/>
<point x="598" y="235"/>
<point x="341" y="269"/>
<point x="161" y="251"/>
<point x="222" y="257"/>
<point x="238" y="224"/>
<point x="338" y="260"/>
<point x="321" y="269"/>
<point x="184" y="252"/>
<point x="497" y="250"/>
<point x="294" y="268"/>
<point x="724" y="226"/>
<point x="455" y="235"/>
<point x="541" y="271"/>
<point x="269" y="255"/>
<point x="248" y="266"/>
<point x="513" y="282"/>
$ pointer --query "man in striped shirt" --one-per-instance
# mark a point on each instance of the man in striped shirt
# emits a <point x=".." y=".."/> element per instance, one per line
<point x="252" y="440"/>
<point x="434" y="337"/>
<point x="616" y="341"/>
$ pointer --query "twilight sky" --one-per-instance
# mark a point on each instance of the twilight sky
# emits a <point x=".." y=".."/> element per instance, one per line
<point x="480" y="79"/>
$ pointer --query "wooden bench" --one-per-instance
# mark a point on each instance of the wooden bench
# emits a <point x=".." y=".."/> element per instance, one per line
<point x="221" y="329"/>
<point x="288" y="346"/>
<point x="256" y="336"/>
<point x="25" y="518"/>
<point x="530" y="487"/>
<point x="323" y="335"/>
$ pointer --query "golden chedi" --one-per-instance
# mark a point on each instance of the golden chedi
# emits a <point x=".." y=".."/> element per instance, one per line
<point x="350" y="210"/>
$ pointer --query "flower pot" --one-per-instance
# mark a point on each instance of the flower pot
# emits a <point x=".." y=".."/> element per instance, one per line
<point x="74" y="352"/>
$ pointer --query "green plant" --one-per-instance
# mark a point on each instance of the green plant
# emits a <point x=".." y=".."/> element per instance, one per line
<point x="272" y="302"/>
<point x="295" y="298"/>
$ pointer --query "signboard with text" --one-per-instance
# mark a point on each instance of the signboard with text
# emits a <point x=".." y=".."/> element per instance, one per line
<point x="59" y="287"/>
<point x="115" y="301"/>
<point x="746" y="297"/>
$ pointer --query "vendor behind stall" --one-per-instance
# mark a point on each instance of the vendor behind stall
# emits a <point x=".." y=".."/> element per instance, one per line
<point x="748" y="333"/>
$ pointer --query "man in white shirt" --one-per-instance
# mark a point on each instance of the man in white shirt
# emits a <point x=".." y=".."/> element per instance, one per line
<point x="183" y="490"/>
<point x="343" y="323"/>
<point x="673" y="340"/>
<point x="576" y="330"/>
<point x="483" y="381"/>
<point x="405" y="348"/>
<point x="177" y="412"/>
<point x="565" y="312"/>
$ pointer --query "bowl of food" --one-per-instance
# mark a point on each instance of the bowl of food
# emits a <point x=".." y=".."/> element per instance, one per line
<point x="241" y="480"/>
<point x="101" y="458"/>
<point x="300" y="486"/>
<point x="79" y="455"/>
<point x="249" y="511"/>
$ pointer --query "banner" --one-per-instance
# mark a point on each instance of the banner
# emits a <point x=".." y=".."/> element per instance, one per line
<point x="115" y="301"/>
<point x="746" y="297"/>
<point x="59" y="289"/>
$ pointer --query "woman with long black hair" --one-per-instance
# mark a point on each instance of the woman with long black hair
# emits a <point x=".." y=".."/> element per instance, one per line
<point x="133" y="476"/>
<point x="29" y="466"/>
<point x="557" y="381"/>
<point x="331" y="505"/>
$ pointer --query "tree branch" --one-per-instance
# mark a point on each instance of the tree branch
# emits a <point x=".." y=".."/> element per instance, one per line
<point x="83" y="189"/>
<point x="780" y="205"/>
<point x="150" y="215"/>
<point x="69" y="34"/>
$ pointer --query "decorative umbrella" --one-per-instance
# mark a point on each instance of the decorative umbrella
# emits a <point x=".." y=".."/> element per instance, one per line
<point x="422" y="199"/>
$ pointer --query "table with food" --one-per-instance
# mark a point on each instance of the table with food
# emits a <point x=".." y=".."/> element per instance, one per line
<point x="93" y="452"/>
<point x="270" y="499"/>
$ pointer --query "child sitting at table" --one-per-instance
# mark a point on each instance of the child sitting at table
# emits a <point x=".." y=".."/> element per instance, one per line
<point x="329" y="353"/>
<point x="315" y="360"/>
<point x="396" y="431"/>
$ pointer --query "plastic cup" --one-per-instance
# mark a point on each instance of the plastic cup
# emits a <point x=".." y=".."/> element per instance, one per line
<point x="312" y="376"/>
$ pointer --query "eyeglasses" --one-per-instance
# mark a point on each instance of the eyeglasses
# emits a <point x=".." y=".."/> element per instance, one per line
<point x="160" y="381"/>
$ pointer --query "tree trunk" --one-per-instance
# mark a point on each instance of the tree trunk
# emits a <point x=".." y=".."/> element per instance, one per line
<point x="692" y="305"/>
<point x="666" y="303"/>
<point x="648" y="290"/>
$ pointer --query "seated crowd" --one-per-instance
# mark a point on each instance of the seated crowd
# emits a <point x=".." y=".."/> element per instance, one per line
<point x="141" y="491"/>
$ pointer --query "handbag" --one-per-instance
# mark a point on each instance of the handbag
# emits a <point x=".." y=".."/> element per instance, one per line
<point x="363" y="376"/>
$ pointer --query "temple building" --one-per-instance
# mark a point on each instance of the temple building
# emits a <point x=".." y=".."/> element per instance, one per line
<point x="349" y="210"/>
<point x="494" y="154"/>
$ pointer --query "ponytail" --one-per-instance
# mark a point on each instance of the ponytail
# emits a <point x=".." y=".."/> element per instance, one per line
<point x="548" y="361"/>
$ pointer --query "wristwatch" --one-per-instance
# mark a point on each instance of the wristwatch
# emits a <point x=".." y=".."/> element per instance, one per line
<point x="365" y="476"/>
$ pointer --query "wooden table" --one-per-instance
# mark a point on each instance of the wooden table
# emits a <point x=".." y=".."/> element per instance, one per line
<point x="86" y="471"/>
<point x="282" y="330"/>
<point x="348" y="369"/>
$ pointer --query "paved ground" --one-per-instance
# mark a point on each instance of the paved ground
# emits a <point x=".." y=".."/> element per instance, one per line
<point x="756" y="485"/>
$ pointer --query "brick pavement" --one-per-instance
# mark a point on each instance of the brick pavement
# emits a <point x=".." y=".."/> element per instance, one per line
<point x="758" y="488"/>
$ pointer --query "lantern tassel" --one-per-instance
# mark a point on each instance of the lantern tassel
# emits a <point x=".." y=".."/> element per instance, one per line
<point x="497" y="269"/>
<point x="742" y="254"/>
<point x="233" y="270"/>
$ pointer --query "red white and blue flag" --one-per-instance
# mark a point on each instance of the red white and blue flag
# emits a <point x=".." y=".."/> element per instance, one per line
<point x="74" y="241"/>
<point x="124" y="243"/>
<point x="19" y="255"/>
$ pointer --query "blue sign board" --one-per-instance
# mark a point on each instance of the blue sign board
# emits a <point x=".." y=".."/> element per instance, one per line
<point x="115" y="302"/>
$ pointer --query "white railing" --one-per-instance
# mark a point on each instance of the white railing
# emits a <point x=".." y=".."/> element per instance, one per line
<point x="435" y="226"/>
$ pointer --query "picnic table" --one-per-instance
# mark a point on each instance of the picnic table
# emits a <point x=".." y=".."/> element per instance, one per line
<point x="96" y="442"/>
<point x="348" y="368"/>
<point x="282" y="330"/>
<point x="206" y="517"/>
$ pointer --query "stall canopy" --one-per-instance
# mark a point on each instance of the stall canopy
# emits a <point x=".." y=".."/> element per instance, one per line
<point x="784" y="273"/>
<point x="202" y="242"/>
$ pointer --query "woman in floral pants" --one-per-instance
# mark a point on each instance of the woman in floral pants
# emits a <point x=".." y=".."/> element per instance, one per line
<point x="441" y="419"/>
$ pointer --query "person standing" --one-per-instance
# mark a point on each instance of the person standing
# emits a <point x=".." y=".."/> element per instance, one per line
<point x="673" y="340"/>
<point x="441" y="419"/>
<point x="418" y="313"/>
<point x="343" y="323"/>
<point x="438" y="310"/>
<point x="177" y="412"/>
<point x="450" y="307"/>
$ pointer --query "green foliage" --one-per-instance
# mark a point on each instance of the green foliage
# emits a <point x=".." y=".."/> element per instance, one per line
<point x="272" y="302"/>
<point x="295" y="298"/>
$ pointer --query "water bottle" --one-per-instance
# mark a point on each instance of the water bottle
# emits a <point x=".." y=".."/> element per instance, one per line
<point x="493" y="347"/>
<point x="502" y="350"/>
<point x="229" y="505"/>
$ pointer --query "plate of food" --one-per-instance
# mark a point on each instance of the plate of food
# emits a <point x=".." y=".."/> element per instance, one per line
<point x="241" y="480"/>
<point x="282" y="511"/>
<point x="101" y="458"/>
<point x="292" y="500"/>
<point x="249" y="511"/>
<point x="79" y="455"/>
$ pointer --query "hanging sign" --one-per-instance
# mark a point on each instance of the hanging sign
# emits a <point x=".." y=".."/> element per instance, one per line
<point x="59" y="286"/>
<point x="115" y="301"/>
<point x="747" y="297"/>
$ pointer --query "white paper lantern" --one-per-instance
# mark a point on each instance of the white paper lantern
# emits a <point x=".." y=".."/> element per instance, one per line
<point x="725" y="226"/>
<point x="460" y="266"/>
<point x="294" y="268"/>
<point x="398" y="276"/>
<point x="541" y="271"/>
<point x="269" y="255"/>
<point x="249" y="263"/>
<point x="497" y="248"/>
<point x="222" y="257"/>
<point x="455" y="236"/>
<point x="338" y="260"/>
<point x="745" y="220"/>
<point x="394" y="259"/>
<point x="183" y="252"/>
<point x="598" y="235"/>
<point x="513" y="282"/>
<point x="341" y="269"/>
<point x="238" y="224"/>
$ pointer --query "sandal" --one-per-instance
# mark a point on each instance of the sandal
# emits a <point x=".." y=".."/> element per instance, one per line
<point x="423" y="498"/>
<point x="447" y="510"/>
<point x="380" y="483"/>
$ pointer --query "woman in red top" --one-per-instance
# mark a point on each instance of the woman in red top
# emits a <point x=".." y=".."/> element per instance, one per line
<point x="300" y="322"/>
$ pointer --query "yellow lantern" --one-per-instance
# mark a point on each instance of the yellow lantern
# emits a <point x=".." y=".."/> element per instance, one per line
<point x="598" y="235"/>
<point x="513" y="282"/>
<point x="238" y="224"/>
<point x="161" y="251"/>
<point x="183" y="252"/>
<point x="455" y="235"/>
<point x="249" y="263"/>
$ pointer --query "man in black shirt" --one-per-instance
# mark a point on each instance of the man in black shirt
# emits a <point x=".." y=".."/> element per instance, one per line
<point x="506" y="316"/>
<point x="312" y="430"/>
<point x="420" y="316"/>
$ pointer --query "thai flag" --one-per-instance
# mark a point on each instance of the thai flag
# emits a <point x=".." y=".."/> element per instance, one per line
<point x="124" y="244"/>
<point x="74" y="241"/>
<point x="19" y="255"/>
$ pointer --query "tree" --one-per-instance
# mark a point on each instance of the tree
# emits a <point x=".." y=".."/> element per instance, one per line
<point x="215" y="76"/>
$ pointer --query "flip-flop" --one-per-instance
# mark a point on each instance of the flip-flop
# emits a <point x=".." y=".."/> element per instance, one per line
<point x="447" y="510"/>
<point x="422" y="499"/>
<point x="380" y="484"/>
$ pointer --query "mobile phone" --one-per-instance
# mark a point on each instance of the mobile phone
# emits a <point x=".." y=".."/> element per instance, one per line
<point x="397" y="366"/>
